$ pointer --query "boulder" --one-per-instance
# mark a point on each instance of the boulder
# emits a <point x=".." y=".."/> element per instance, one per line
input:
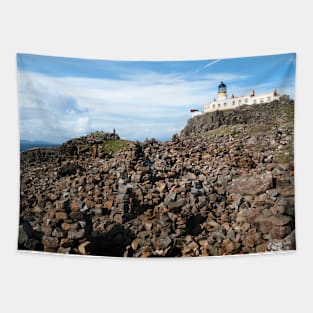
<point x="251" y="185"/>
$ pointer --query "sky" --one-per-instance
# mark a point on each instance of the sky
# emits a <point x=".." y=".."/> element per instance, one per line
<point x="63" y="98"/>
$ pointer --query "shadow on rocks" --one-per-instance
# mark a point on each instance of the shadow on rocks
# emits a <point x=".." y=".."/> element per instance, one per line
<point x="112" y="243"/>
<point x="29" y="239"/>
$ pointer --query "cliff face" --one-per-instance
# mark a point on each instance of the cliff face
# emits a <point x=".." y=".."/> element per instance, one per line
<point x="266" y="113"/>
<point x="224" y="186"/>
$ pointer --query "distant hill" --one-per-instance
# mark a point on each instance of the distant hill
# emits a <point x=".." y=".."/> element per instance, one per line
<point x="27" y="144"/>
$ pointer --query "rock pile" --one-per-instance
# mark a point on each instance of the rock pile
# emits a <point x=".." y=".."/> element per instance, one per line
<point x="213" y="190"/>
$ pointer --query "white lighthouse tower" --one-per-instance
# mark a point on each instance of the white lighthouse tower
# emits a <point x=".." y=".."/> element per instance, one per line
<point x="222" y="92"/>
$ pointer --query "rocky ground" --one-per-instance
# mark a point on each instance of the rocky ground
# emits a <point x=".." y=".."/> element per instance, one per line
<point x="225" y="185"/>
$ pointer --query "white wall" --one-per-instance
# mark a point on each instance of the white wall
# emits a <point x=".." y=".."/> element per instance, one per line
<point x="155" y="30"/>
<point x="238" y="101"/>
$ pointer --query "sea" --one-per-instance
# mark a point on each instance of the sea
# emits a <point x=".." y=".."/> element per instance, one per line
<point x="25" y="145"/>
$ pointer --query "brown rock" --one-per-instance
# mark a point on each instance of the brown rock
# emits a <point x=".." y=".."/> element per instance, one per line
<point x="146" y="252"/>
<point x="135" y="243"/>
<point x="230" y="247"/>
<point x="82" y="247"/>
<point x="162" y="187"/>
<point x="108" y="204"/>
<point x="248" y="242"/>
<point x="148" y="196"/>
<point x="67" y="226"/>
<point x="57" y="232"/>
<point x="90" y="203"/>
<point x="264" y="224"/>
<point x="252" y="239"/>
<point x="118" y="218"/>
<point x="76" y="205"/>
<point x="213" y="224"/>
<point x="288" y="243"/>
<point x="66" y="242"/>
<point x="60" y="205"/>
<point x="60" y="215"/>
<point x="251" y="185"/>
<point x="148" y="226"/>
<point x="277" y="209"/>
<point x="285" y="186"/>
<point x="204" y="243"/>
<point x="50" y="242"/>
<point x="261" y="248"/>
<point x="279" y="232"/>
<point x="286" y="191"/>
<point x="280" y="219"/>
<point x="135" y="178"/>
<point x="253" y="215"/>
<point x="105" y="167"/>
<point x="76" y="234"/>
<point x="245" y="227"/>
<point x="176" y="205"/>
<point x="53" y="196"/>
<point x="64" y="250"/>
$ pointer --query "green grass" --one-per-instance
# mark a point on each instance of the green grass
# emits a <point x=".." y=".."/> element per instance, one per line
<point x="283" y="157"/>
<point x="259" y="129"/>
<point x="289" y="110"/>
<point x="258" y="149"/>
<point x="234" y="130"/>
<point x="218" y="132"/>
<point x="228" y="111"/>
<point x="114" y="146"/>
<point x="225" y="111"/>
<point x="286" y="155"/>
<point x="235" y="176"/>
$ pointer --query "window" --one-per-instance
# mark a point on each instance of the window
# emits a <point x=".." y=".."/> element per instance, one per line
<point x="234" y="102"/>
<point x="213" y="106"/>
<point x="246" y="100"/>
<point x="225" y="104"/>
<point x="261" y="100"/>
<point x="239" y="102"/>
<point x="254" y="101"/>
<point x="268" y="98"/>
<point x="219" y="105"/>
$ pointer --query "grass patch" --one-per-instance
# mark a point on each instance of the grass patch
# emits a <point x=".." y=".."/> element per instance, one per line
<point x="114" y="146"/>
<point x="289" y="110"/>
<point x="235" y="176"/>
<point x="218" y="132"/>
<point x="233" y="130"/>
<point x="224" y="111"/>
<point x="258" y="149"/>
<point x="228" y="111"/>
<point x="286" y="155"/>
<point x="259" y="129"/>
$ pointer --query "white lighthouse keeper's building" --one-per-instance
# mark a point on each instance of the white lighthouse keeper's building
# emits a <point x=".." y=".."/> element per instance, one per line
<point x="223" y="102"/>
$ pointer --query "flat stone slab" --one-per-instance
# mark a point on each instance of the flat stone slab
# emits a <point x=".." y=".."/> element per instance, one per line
<point x="251" y="185"/>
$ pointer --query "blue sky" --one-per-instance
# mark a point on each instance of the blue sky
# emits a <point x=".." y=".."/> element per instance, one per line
<point x="63" y="98"/>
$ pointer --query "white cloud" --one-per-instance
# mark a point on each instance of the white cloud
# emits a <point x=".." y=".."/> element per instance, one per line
<point x="82" y="125"/>
<point x="139" y="106"/>
<point x="211" y="63"/>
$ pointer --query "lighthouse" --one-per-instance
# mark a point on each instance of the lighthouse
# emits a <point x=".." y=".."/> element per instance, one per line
<point x="222" y="91"/>
<point x="222" y="102"/>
